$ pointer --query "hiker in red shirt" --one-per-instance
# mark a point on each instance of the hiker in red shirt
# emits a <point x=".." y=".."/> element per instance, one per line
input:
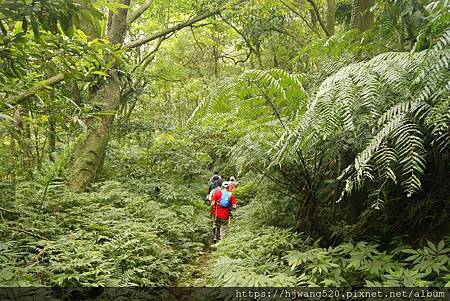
<point x="221" y="201"/>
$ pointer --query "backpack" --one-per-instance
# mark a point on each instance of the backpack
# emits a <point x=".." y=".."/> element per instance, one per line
<point x="211" y="186"/>
<point x="225" y="199"/>
<point x="211" y="193"/>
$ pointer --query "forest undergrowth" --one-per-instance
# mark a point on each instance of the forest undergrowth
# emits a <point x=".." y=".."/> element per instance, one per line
<point x="114" y="235"/>
<point x="150" y="232"/>
<point x="276" y="256"/>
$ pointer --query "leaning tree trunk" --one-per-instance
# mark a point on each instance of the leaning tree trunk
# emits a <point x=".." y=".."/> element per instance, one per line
<point x="89" y="153"/>
<point x="362" y="17"/>
<point x="87" y="158"/>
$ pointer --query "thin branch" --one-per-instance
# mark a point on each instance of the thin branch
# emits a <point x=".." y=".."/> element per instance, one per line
<point x="27" y="232"/>
<point x="284" y="32"/>
<point x="287" y="186"/>
<point x="13" y="101"/>
<point x="148" y="55"/>
<point x="196" y="40"/>
<point x="282" y="192"/>
<point x="3" y="29"/>
<point x="138" y="12"/>
<point x="9" y="211"/>
<point x="305" y="171"/>
<point x="201" y="25"/>
<point x="235" y="61"/>
<point x="319" y="18"/>
<point x="252" y="49"/>
<point x="291" y="177"/>
<point x="166" y="79"/>
<point x="172" y="29"/>
<point x="274" y="108"/>
<point x="301" y="17"/>
<point x="322" y="176"/>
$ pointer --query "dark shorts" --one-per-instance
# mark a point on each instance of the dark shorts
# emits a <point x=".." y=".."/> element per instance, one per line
<point x="219" y="222"/>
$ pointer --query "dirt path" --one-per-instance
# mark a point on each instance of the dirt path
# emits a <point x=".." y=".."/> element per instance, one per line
<point x="199" y="274"/>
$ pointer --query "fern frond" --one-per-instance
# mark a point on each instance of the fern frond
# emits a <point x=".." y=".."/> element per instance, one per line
<point x="439" y="120"/>
<point x="410" y="146"/>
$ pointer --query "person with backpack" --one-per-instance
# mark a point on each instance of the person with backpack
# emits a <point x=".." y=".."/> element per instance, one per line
<point x="215" y="177"/>
<point x="214" y="182"/>
<point x="221" y="201"/>
<point x="214" y="188"/>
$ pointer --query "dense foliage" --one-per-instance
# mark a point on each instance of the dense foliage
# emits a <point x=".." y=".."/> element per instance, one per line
<point x="277" y="257"/>
<point x="110" y="236"/>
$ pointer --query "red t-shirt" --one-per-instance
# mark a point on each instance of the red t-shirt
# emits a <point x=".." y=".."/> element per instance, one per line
<point x="218" y="211"/>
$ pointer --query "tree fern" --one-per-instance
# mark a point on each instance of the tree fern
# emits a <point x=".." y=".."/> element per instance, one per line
<point x="438" y="119"/>
<point x="256" y="108"/>
<point x="389" y="87"/>
<point x="434" y="75"/>
<point x="393" y="102"/>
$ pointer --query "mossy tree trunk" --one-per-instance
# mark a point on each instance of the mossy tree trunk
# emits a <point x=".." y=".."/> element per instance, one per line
<point x="89" y="153"/>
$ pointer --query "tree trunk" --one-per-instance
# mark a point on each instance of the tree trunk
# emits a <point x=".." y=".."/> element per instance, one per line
<point x="331" y="16"/>
<point x="258" y="55"/>
<point x="28" y="162"/>
<point x="308" y="214"/>
<point x="13" y="158"/>
<point x="51" y="137"/>
<point x="89" y="153"/>
<point x="313" y="18"/>
<point x="274" y="56"/>
<point x="88" y="156"/>
<point x="215" y="62"/>
<point x="362" y="17"/>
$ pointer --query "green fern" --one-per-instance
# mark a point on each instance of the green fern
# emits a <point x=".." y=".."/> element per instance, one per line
<point x="389" y="105"/>
<point x="403" y="118"/>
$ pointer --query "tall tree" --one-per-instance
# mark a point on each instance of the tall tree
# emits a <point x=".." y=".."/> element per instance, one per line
<point x="90" y="152"/>
<point x="318" y="17"/>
